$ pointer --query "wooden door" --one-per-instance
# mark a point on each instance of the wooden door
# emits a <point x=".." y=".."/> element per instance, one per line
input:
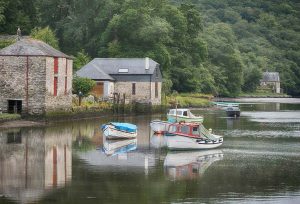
<point x="98" y="89"/>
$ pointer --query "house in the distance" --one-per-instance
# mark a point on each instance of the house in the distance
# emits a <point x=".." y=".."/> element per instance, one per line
<point x="35" y="78"/>
<point x="139" y="79"/>
<point x="271" y="80"/>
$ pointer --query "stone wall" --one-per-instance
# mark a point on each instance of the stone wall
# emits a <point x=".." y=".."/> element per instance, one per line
<point x="19" y="76"/>
<point x="156" y="100"/>
<point x="144" y="91"/>
<point x="63" y="100"/>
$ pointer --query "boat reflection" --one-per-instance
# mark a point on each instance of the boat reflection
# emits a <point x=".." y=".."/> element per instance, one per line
<point x="33" y="162"/>
<point x="158" y="141"/>
<point x="190" y="165"/>
<point x="116" y="147"/>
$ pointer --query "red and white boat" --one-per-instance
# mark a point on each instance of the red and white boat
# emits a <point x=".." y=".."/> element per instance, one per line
<point x="191" y="136"/>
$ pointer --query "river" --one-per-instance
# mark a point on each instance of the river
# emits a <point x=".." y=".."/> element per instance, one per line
<point x="66" y="163"/>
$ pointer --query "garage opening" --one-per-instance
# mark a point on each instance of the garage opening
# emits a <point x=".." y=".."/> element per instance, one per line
<point x="15" y="106"/>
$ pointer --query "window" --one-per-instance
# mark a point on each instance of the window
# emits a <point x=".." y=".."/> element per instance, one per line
<point x="185" y="113"/>
<point x="133" y="88"/>
<point x="195" y="131"/>
<point x="185" y="129"/>
<point x="156" y="72"/>
<point x="172" y="129"/>
<point x="179" y="113"/>
<point x="156" y="90"/>
<point x="66" y="85"/>
<point x="123" y="70"/>
<point x="55" y="65"/>
<point x="55" y="86"/>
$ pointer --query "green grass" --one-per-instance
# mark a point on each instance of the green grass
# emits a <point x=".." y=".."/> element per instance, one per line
<point x="195" y="100"/>
<point x="6" y="116"/>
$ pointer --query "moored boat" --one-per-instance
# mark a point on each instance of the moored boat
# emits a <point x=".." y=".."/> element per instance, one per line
<point x="233" y="111"/>
<point x="191" y="136"/>
<point x="183" y="115"/>
<point x="115" y="130"/>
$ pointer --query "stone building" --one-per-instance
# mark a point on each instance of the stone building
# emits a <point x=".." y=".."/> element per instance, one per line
<point x="271" y="80"/>
<point x="35" y="78"/>
<point x="139" y="79"/>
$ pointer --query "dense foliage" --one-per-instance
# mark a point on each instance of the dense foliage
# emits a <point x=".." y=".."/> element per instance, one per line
<point x="83" y="85"/>
<point x="209" y="46"/>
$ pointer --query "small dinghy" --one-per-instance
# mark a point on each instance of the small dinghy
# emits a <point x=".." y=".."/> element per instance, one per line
<point x="159" y="127"/>
<point x="191" y="136"/>
<point x="114" y="130"/>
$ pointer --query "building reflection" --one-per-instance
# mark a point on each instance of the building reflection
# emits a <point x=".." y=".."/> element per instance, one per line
<point x="189" y="165"/>
<point x="33" y="161"/>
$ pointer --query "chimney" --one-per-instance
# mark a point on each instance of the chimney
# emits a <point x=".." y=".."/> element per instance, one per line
<point x="147" y="63"/>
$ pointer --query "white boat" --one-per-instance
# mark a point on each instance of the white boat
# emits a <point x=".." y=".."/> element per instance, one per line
<point x="116" y="130"/>
<point x="183" y="115"/>
<point x="191" y="136"/>
<point x="159" y="127"/>
<point x="190" y="164"/>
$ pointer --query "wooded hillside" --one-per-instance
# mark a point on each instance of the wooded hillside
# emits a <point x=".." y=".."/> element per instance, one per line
<point x="209" y="46"/>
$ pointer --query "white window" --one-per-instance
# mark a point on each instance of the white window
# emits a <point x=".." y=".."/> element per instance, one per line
<point x="123" y="70"/>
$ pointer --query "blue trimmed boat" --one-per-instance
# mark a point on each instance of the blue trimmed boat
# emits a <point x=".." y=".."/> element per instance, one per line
<point x="116" y="130"/>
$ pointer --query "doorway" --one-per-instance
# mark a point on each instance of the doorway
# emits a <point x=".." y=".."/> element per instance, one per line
<point x="15" y="106"/>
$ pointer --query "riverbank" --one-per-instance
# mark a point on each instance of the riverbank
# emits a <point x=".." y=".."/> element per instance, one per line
<point x="103" y="109"/>
<point x="261" y="100"/>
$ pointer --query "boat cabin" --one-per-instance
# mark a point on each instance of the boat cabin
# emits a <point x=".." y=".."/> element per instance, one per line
<point x="185" y="129"/>
<point x="181" y="112"/>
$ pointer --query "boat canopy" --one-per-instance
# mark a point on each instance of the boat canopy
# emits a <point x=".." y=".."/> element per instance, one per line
<point x="125" y="126"/>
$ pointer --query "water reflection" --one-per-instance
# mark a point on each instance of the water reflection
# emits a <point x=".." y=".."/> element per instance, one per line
<point x="34" y="161"/>
<point x="158" y="141"/>
<point x="115" y="147"/>
<point x="190" y="165"/>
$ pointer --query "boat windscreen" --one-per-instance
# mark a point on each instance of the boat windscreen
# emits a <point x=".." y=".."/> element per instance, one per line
<point x="185" y="129"/>
<point x="172" y="128"/>
<point x="179" y="113"/>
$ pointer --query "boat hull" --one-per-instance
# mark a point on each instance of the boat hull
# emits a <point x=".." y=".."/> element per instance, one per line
<point x="159" y="127"/>
<point x="112" y="133"/>
<point x="187" y="143"/>
<point x="233" y="113"/>
<point x="174" y="119"/>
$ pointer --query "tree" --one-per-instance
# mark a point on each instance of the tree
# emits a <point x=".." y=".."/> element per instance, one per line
<point x="17" y="13"/>
<point x="46" y="35"/>
<point x="81" y="59"/>
<point x="83" y="85"/>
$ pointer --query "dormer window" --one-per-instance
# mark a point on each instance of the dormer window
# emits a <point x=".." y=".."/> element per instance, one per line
<point x="123" y="70"/>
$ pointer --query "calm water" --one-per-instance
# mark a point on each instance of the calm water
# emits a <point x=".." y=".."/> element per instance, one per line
<point x="66" y="163"/>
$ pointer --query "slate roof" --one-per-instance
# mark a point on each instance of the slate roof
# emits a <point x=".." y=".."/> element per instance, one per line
<point x="271" y="76"/>
<point x="105" y="68"/>
<point x="31" y="47"/>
